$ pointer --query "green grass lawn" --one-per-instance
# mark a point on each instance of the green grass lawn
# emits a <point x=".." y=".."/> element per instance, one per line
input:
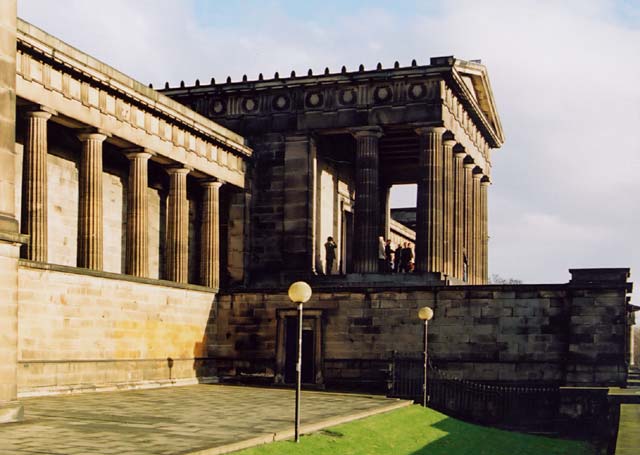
<point x="414" y="431"/>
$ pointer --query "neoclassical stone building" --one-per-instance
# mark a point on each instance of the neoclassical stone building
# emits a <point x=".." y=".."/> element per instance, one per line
<point x="148" y="237"/>
<point x="329" y="147"/>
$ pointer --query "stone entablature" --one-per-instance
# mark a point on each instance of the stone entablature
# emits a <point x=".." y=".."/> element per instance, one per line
<point x="84" y="92"/>
<point x="449" y="92"/>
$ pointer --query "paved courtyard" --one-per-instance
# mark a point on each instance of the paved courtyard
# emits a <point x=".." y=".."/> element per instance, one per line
<point x="176" y="420"/>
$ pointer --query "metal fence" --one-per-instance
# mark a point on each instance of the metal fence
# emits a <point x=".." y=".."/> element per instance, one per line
<point x="518" y="407"/>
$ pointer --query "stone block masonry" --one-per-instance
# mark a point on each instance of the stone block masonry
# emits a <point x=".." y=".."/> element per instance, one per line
<point x="91" y="330"/>
<point x="564" y="334"/>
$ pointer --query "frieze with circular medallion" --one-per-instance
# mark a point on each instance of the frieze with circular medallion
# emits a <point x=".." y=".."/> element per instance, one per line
<point x="250" y="104"/>
<point x="348" y="97"/>
<point x="382" y="94"/>
<point x="417" y="91"/>
<point x="280" y="103"/>
<point x="314" y="99"/>
<point x="218" y="107"/>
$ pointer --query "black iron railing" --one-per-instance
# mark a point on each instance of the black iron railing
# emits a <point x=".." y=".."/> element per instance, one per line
<point x="512" y="406"/>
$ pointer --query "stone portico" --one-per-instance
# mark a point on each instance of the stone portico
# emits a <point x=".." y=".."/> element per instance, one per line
<point x="329" y="147"/>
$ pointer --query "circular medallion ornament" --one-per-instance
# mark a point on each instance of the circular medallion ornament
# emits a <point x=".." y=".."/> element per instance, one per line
<point x="416" y="91"/>
<point x="280" y="103"/>
<point x="314" y="99"/>
<point x="249" y="104"/>
<point x="348" y="96"/>
<point x="382" y="94"/>
<point x="218" y="107"/>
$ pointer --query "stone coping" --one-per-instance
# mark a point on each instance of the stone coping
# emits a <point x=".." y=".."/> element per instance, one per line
<point x="114" y="276"/>
<point x="62" y="52"/>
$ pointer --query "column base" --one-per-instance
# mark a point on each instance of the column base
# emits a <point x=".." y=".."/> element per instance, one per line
<point x="11" y="411"/>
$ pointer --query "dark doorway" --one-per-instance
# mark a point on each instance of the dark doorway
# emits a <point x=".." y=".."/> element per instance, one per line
<point x="308" y="350"/>
<point x="347" y="242"/>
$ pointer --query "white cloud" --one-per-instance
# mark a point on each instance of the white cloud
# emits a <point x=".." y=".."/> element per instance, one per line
<point x="564" y="74"/>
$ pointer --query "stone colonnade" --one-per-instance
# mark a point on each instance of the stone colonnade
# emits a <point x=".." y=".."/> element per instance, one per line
<point x="451" y="213"/>
<point x="90" y="216"/>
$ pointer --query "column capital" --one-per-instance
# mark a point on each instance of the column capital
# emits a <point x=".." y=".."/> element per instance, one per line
<point x="469" y="165"/>
<point x="477" y="175"/>
<point x="449" y="143"/>
<point x="178" y="169"/>
<point x="211" y="183"/>
<point x="427" y="129"/>
<point x="367" y="131"/>
<point x="486" y="181"/>
<point x="138" y="152"/>
<point x="92" y="135"/>
<point x="39" y="112"/>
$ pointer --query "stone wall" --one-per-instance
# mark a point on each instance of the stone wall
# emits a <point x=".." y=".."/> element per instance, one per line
<point x="10" y="408"/>
<point x="570" y="334"/>
<point x="82" y="331"/>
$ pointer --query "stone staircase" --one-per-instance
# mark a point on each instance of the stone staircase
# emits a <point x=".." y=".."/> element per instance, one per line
<point x="633" y="378"/>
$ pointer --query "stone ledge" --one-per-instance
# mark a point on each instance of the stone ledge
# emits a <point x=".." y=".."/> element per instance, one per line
<point x="114" y="276"/>
<point x="11" y="411"/>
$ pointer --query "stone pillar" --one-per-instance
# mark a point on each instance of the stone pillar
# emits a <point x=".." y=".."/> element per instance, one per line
<point x="300" y="180"/>
<point x="210" y="235"/>
<point x="91" y="227"/>
<point x="367" y="209"/>
<point x="34" y="184"/>
<point x="484" y="229"/>
<point x="475" y="239"/>
<point x="447" y="207"/>
<point x="177" y="243"/>
<point x="10" y="409"/>
<point x="137" y="251"/>
<point x="468" y="218"/>
<point x="385" y="211"/>
<point x="429" y="210"/>
<point x="458" y="214"/>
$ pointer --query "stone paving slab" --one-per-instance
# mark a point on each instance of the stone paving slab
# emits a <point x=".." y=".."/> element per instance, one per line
<point x="203" y="419"/>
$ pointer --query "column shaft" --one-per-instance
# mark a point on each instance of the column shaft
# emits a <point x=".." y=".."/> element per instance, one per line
<point x="90" y="228"/>
<point x="210" y="235"/>
<point x="34" y="184"/>
<point x="367" y="209"/>
<point x="484" y="188"/>
<point x="476" y="210"/>
<point x="429" y="211"/>
<point x="137" y="251"/>
<point x="447" y="208"/>
<point x="177" y="227"/>
<point x="468" y="220"/>
<point x="458" y="216"/>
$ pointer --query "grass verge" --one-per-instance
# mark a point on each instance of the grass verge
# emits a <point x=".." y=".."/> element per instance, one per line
<point x="417" y="431"/>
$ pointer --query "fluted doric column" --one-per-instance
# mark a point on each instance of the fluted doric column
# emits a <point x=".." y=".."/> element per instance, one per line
<point x="447" y="207"/>
<point x="475" y="216"/>
<point x="458" y="214"/>
<point x="177" y="226"/>
<point x="429" y="211"/>
<point x="90" y="228"/>
<point x="34" y="184"/>
<point x="367" y="209"/>
<point x="210" y="235"/>
<point x="137" y="251"/>
<point x="468" y="220"/>
<point x="484" y="229"/>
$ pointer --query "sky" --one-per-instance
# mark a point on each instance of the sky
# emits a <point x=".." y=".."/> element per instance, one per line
<point x="565" y="77"/>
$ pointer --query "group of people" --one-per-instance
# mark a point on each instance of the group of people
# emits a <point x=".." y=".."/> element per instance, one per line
<point x="398" y="260"/>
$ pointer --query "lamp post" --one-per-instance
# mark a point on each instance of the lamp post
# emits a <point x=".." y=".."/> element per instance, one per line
<point x="300" y="293"/>
<point x="425" y="314"/>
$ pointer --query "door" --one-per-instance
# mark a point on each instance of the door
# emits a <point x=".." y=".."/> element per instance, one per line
<point x="308" y="350"/>
<point x="347" y="242"/>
